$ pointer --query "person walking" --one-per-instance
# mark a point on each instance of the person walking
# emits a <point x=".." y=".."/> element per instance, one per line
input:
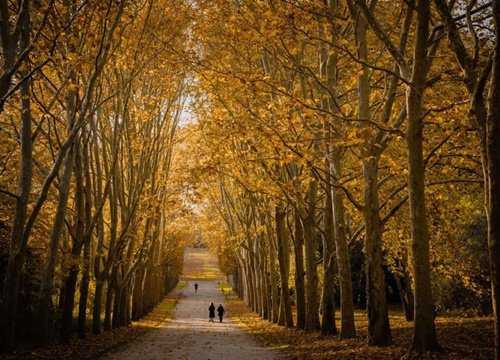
<point x="220" y="312"/>
<point x="211" y="312"/>
<point x="195" y="287"/>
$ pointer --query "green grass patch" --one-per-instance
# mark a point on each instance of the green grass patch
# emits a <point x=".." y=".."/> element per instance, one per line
<point x="225" y="288"/>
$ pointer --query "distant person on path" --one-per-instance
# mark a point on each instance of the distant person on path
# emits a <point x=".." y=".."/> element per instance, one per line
<point x="211" y="312"/>
<point x="220" y="312"/>
<point x="196" y="287"/>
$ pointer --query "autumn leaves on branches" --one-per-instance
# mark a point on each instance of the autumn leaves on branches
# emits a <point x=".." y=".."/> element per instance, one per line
<point x="327" y="127"/>
<point x="91" y="100"/>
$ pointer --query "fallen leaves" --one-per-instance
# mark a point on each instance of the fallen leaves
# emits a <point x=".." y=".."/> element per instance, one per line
<point x="95" y="346"/>
<point x="461" y="338"/>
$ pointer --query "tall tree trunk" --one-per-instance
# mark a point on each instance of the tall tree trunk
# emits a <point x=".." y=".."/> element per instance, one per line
<point x="493" y="154"/>
<point x="97" y="307"/>
<point x="265" y="288"/>
<point x="379" y="332"/>
<point x="284" y="264"/>
<point x="328" y="326"/>
<point x="84" y="290"/>
<point x="108" y="308"/>
<point x="84" y="286"/>
<point x="348" y="327"/>
<point x="308" y="221"/>
<point x="406" y="296"/>
<point x="17" y="250"/>
<point x="424" y="332"/>
<point x="45" y="293"/>
<point x="273" y="281"/>
<point x="300" y="295"/>
<point x="69" y="302"/>
<point x="69" y="299"/>
<point x="262" y="276"/>
<point x="138" y="309"/>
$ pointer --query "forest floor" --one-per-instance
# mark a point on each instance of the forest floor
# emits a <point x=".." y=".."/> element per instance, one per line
<point x="460" y="338"/>
<point x="95" y="346"/>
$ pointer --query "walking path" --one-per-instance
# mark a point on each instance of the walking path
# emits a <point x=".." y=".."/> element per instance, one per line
<point x="189" y="335"/>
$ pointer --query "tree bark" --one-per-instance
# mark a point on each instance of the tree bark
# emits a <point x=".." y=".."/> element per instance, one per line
<point x="328" y="326"/>
<point x="66" y="327"/>
<point x="284" y="264"/>
<point x="424" y="332"/>
<point x="300" y="295"/>
<point x="45" y="293"/>
<point x="493" y="154"/>
<point x="348" y="327"/>
<point x="308" y="221"/>
<point x="273" y="280"/>
<point x="17" y="250"/>
<point x="84" y="286"/>
<point x="379" y="332"/>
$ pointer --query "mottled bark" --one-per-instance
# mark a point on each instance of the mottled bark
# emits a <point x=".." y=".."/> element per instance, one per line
<point x="300" y="295"/>
<point x="284" y="264"/>
<point x="308" y="220"/>
<point x="424" y="332"/>
<point x="328" y="326"/>
<point x="379" y="332"/>
<point x="348" y="327"/>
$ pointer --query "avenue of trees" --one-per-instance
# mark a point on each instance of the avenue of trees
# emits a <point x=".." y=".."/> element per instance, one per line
<point x="348" y="154"/>
<point x="91" y="96"/>
<point x="341" y="154"/>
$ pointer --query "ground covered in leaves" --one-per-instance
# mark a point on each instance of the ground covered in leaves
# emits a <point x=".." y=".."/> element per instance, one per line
<point x="94" y="346"/>
<point x="461" y="338"/>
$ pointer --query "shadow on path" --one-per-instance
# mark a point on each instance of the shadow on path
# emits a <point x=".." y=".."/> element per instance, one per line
<point x="190" y="335"/>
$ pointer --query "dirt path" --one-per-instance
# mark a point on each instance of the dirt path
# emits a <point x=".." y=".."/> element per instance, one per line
<point x="189" y="335"/>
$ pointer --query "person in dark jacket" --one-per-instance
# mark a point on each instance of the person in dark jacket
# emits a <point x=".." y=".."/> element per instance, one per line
<point x="220" y="312"/>
<point x="211" y="312"/>
<point x="196" y="287"/>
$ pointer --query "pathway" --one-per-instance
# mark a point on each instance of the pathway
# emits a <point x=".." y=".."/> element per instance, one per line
<point x="189" y="335"/>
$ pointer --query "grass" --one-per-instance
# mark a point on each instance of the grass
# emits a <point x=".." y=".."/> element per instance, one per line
<point x="163" y="311"/>
<point x="461" y="338"/>
<point x="225" y="288"/>
<point x="199" y="264"/>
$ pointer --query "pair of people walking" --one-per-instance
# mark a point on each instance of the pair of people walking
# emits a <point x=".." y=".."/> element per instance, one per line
<point x="211" y="312"/>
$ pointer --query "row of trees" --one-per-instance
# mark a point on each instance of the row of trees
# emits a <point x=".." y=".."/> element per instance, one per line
<point x="329" y="130"/>
<point x="91" y="97"/>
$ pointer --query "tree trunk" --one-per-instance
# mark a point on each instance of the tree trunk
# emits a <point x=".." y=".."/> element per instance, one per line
<point x="108" y="306"/>
<point x="274" y="283"/>
<point x="45" y="293"/>
<point x="348" y="327"/>
<point x="17" y="249"/>
<point x="284" y="264"/>
<point x="424" y="332"/>
<point x="308" y="221"/>
<point x="80" y="220"/>
<point x="138" y="308"/>
<point x="328" y="326"/>
<point x="84" y="286"/>
<point x="96" y="309"/>
<point x="493" y="154"/>
<point x="379" y="332"/>
<point x="263" y="281"/>
<point x="406" y="295"/>
<point x="300" y="295"/>
<point x="69" y="303"/>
